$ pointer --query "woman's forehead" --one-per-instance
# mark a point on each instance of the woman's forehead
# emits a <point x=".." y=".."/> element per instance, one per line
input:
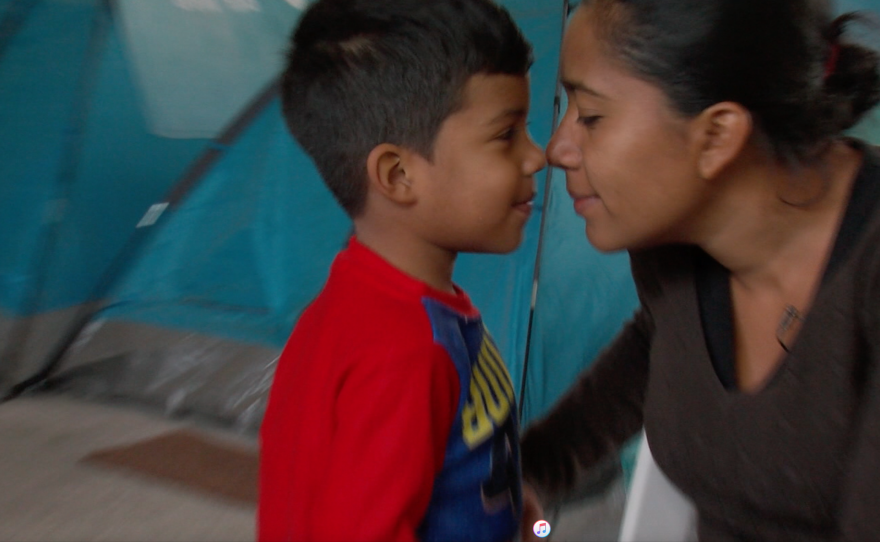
<point x="582" y="54"/>
<point x="594" y="76"/>
<point x="583" y="35"/>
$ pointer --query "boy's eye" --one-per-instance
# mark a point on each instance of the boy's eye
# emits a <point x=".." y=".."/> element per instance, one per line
<point x="589" y="121"/>
<point x="509" y="134"/>
<point x="512" y="132"/>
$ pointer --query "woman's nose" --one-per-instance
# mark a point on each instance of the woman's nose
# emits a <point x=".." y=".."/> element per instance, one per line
<point x="562" y="152"/>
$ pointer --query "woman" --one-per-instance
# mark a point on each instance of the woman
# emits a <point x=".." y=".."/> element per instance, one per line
<point x="704" y="136"/>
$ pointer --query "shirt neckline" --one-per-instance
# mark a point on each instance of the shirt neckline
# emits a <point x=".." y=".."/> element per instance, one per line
<point x="713" y="279"/>
<point x="380" y="271"/>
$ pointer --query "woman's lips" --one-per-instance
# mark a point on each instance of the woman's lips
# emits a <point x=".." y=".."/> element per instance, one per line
<point x="583" y="204"/>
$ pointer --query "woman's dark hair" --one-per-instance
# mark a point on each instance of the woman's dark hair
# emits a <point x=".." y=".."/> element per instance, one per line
<point x="364" y="72"/>
<point x="784" y="60"/>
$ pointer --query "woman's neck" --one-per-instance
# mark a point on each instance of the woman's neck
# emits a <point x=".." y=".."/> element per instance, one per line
<point x="770" y="221"/>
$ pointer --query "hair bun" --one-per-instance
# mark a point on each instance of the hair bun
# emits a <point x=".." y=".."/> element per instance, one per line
<point x="852" y="84"/>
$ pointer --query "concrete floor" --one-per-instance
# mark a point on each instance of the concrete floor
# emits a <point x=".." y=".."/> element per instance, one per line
<point x="48" y="495"/>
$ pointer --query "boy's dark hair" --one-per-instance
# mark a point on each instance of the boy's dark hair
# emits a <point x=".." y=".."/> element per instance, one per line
<point x="783" y="60"/>
<point x="364" y="72"/>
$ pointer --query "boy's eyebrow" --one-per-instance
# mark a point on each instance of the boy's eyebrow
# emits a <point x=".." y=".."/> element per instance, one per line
<point x="573" y="86"/>
<point x="508" y="114"/>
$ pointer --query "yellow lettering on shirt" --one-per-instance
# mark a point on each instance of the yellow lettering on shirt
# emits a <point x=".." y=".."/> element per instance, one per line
<point x="494" y="359"/>
<point x="496" y="402"/>
<point x="490" y="396"/>
<point x="476" y="424"/>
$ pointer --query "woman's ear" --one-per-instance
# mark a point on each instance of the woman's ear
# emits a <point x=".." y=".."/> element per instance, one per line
<point x="722" y="130"/>
<point x="387" y="174"/>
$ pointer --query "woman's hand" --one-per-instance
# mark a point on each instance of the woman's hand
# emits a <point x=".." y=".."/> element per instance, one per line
<point x="532" y="513"/>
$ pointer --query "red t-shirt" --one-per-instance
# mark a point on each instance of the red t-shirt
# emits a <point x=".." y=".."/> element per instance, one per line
<point x="365" y="415"/>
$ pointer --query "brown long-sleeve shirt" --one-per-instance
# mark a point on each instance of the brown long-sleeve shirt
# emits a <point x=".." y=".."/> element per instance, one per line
<point x="797" y="460"/>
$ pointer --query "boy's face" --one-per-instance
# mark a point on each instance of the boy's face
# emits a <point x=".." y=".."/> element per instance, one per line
<point x="476" y="194"/>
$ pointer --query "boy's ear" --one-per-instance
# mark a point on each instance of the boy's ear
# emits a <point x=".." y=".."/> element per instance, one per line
<point x="722" y="131"/>
<point x="387" y="175"/>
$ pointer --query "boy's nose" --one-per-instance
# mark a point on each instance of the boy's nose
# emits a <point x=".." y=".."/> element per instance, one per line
<point x="535" y="161"/>
<point x="562" y="152"/>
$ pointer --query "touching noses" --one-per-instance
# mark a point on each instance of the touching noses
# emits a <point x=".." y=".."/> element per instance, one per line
<point x="535" y="160"/>
<point x="562" y="152"/>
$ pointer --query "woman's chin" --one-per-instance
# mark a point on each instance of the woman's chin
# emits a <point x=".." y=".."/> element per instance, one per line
<point x="603" y="242"/>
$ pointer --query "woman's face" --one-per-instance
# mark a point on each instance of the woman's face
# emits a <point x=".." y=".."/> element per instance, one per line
<point x="630" y="161"/>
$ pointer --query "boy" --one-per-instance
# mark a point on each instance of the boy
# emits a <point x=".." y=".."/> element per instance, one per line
<point x="391" y="416"/>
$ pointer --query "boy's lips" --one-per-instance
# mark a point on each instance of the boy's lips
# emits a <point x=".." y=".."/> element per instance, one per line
<point x="525" y="205"/>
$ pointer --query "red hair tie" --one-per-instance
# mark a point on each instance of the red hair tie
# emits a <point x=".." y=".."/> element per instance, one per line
<point x="831" y="64"/>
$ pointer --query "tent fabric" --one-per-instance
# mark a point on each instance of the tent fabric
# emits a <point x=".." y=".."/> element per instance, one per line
<point x="77" y="159"/>
<point x="208" y="60"/>
<point x="77" y="165"/>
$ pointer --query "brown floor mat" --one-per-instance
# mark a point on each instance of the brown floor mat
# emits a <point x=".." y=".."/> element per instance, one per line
<point x="191" y="459"/>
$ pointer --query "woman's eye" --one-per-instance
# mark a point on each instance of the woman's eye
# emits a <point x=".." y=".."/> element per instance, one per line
<point x="589" y="121"/>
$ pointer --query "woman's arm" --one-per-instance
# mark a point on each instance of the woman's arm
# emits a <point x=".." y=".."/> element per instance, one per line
<point x="595" y="417"/>
<point x="860" y="504"/>
<point x="860" y="511"/>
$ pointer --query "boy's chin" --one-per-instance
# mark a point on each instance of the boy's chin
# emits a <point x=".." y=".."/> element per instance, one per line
<point x="505" y="242"/>
<point x="498" y="246"/>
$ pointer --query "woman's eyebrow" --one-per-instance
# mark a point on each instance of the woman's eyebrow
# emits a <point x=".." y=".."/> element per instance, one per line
<point x="576" y="86"/>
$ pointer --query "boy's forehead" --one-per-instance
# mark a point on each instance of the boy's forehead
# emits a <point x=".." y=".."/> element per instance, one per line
<point x="494" y="98"/>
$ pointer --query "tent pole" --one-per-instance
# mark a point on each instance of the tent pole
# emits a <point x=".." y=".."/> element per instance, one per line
<point x="191" y="177"/>
<point x="55" y="209"/>
<point x="566" y="9"/>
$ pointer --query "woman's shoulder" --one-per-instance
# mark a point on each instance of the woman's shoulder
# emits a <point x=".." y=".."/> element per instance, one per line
<point x="862" y="220"/>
